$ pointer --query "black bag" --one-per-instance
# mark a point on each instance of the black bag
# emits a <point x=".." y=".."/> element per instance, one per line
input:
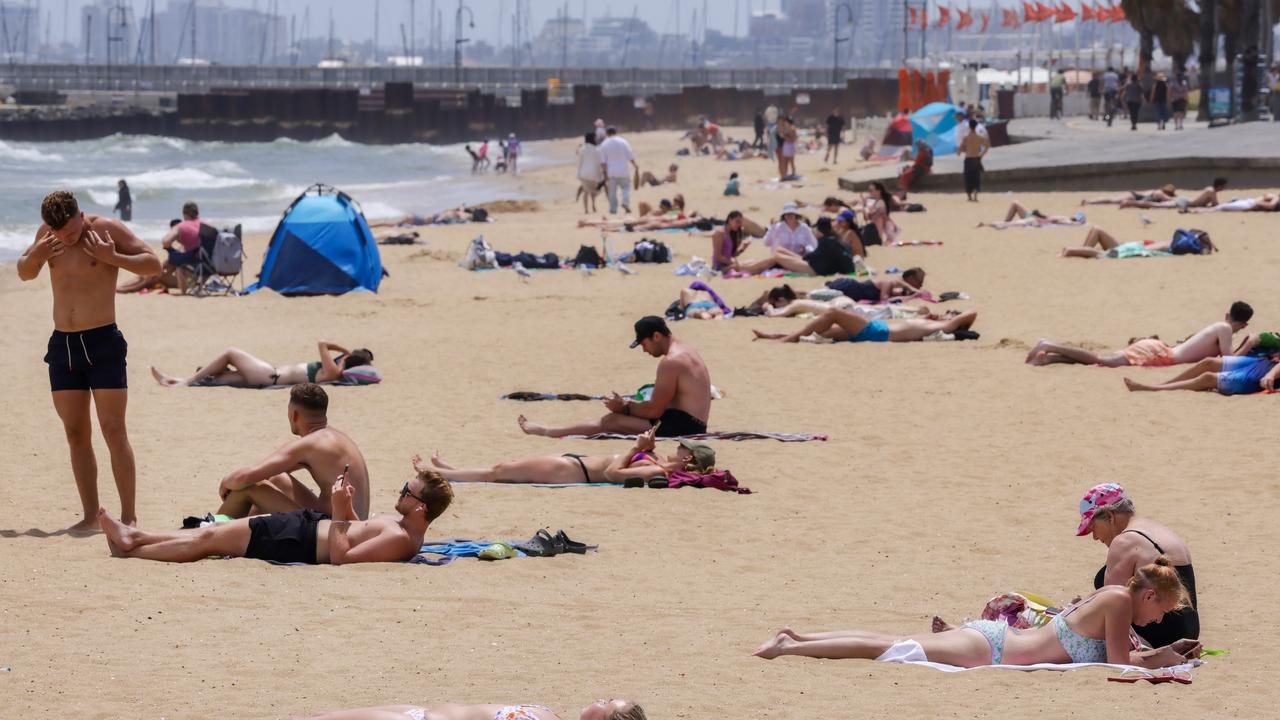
<point x="588" y="256"/>
<point x="652" y="251"/>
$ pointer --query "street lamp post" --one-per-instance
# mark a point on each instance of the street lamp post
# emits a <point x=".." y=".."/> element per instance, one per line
<point x="458" y="40"/>
<point x="836" y="40"/>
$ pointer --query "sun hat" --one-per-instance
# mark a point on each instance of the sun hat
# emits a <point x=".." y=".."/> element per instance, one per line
<point x="704" y="456"/>
<point x="1098" y="496"/>
<point x="790" y="209"/>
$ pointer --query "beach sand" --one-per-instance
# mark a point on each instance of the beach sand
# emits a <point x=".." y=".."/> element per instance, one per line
<point x="952" y="473"/>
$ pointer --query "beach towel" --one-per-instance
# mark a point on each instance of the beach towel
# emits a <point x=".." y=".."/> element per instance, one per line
<point x="909" y="652"/>
<point x="530" y="396"/>
<point x="699" y="285"/>
<point x="917" y="243"/>
<point x="356" y="376"/>
<point x="450" y="550"/>
<point x="735" y="436"/>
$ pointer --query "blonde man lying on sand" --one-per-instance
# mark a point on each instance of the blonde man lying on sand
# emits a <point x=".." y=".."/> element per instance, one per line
<point x="1094" y="630"/>
<point x="681" y="400"/>
<point x="841" y="325"/>
<point x="599" y="710"/>
<point x="641" y="462"/>
<point x="302" y="536"/>
<point x="1211" y="341"/>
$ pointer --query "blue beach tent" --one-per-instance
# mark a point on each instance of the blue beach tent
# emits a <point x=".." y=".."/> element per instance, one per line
<point x="935" y="124"/>
<point x="322" y="246"/>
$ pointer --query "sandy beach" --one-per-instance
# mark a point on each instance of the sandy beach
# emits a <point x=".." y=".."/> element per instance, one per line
<point x="952" y="473"/>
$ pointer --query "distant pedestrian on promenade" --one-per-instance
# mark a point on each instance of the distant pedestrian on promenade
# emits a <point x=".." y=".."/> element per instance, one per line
<point x="1133" y="96"/>
<point x="1159" y="96"/>
<point x="1057" y="86"/>
<point x="1179" y="89"/>
<point x="124" y="201"/>
<point x="1110" y="91"/>
<point x="619" y="160"/>
<point x="1095" y="95"/>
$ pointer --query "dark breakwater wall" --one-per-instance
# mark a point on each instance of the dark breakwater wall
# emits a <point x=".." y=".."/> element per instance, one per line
<point x="401" y="113"/>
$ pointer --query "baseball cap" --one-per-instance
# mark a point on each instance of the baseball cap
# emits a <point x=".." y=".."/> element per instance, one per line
<point x="845" y="215"/>
<point x="703" y="454"/>
<point x="1097" y="496"/>
<point x="647" y="326"/>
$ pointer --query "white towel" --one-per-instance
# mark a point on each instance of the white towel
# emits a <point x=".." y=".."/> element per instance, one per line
<point x="909" y="652"/>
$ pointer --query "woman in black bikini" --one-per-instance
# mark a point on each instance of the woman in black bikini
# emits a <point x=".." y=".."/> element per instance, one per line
<point x="638" y="464"/>
<point x="238" y="368"/>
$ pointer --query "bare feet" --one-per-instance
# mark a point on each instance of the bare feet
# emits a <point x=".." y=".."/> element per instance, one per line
<point x="775" y="647"/>
<point x="1036" y="355"/>
<point x="939" y="625"/>
<point x="120" y="537"/>
<point x="530" y="428"/>
<point x="439" y="462"/>
<point x="1135" y="386"/>
<point x="768" y="336"/>
<point x="163" y="379"/>
<point x="88" y="526"/>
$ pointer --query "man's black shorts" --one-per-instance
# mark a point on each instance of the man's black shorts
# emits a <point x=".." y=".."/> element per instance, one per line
<point x="284" y="537"/>
<point x="87" y="360"/>
<point x="678" y="423"/>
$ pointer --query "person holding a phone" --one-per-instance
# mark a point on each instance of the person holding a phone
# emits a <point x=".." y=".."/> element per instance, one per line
<point x="681" y="401"/>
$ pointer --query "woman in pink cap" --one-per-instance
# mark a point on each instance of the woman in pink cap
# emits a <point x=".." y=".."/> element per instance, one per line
<point x="1107" y="514"/>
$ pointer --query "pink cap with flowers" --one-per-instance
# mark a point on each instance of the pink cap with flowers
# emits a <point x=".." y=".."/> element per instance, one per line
<point x="1098" y="496"/>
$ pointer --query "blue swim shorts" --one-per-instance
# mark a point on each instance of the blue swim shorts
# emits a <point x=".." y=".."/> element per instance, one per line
<point x="875" y="331"/>
<point x="1242" y="375"/>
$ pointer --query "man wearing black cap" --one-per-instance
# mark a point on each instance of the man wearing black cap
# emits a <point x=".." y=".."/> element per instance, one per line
<point x="680" y="403"/>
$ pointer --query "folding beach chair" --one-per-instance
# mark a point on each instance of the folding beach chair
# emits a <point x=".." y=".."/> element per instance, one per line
<point x="221" y="263"/>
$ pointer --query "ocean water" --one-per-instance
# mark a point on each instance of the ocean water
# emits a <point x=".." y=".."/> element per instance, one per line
<point x="246" y="183"/>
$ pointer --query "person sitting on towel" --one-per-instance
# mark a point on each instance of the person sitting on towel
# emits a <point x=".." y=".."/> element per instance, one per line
<point x="681" y="400"/>
<point x="1094" y="630"/>
<point x="639" y="463"/>
<point x="1213" y="340"/>
<point x="301" y="536"/>
<point x="322" y="451"/>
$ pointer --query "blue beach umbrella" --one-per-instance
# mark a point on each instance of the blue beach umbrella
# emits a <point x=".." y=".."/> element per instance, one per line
<point x="935" y="124"/>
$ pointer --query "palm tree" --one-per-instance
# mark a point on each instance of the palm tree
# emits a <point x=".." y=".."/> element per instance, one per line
<point x="1208" y="54"/>
<point x="1143" y="18"/>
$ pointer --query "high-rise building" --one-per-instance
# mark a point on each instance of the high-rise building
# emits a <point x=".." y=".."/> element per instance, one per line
<point x="21" y="31"/>
<point x="222" y="34"/>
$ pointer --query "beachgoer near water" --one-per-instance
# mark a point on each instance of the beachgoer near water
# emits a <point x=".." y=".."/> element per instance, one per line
<point x="1101" y="244"/>
<point x="512" y="152"/>
<point x="1033" y="218"/>
<point x="238" y="368"/>
<point x="323" y="451"/>
<point x="1213" y="340"/>
<point x="475" y="159"/>
<point x="1206" y="198"/>
<point x="483" y="155"/>
<point x="186" y="234"/>
<point x="1161" y="194"/>
<point x="590" y="171"/>
<point x="452" y="216"/>
<point x="1232" y="375"/>
<point x="301" y="536"/>
<point x="641" y="462"/>
<point x="86" y="352"/>
<point x="841" y="325"/>
<point x="124" y="201"/>
<point x="681" y="399"/>
<point x="600" y="710"/>
<point x="1268" y="202"/>
<point x="1094" y="630"/>
<point x="883" y="288"/>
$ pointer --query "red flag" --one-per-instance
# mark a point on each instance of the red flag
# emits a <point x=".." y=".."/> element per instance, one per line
<point x="1044" y="13"/>
<point x="912" y="21"/>
<point x="1010" y="18"/>
<point x="1086" y="12"/>
<point x="1028" y="13"/>
<point x="1065" y="14"/>
<point x="966" y="19"/>
<point x="986" y="19"/>
<point x="1117" y="14"/>
<point x="924" y="17"/>
<point x="944" y="16"/>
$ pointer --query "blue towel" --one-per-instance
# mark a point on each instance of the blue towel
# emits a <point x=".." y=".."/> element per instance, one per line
<point x="453" y="549"/>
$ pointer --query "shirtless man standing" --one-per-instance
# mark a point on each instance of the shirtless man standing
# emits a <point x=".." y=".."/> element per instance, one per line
<point x="1212" y="341"/>
<point x="325" y="452"/>
<point x="301" y="536"/>
<point x="681" y="399"/>
<point x="86" y="353"/>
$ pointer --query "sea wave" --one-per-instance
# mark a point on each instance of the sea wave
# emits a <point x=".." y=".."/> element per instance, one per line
<point x="185" y="178"/>
<point x="22" y="152"/>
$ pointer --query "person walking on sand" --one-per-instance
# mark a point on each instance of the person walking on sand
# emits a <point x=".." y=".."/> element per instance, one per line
<point x="590" y="171"/>
<point x="323" y="451"/>
<point x="513" y="154"/>
<point x="835" y="127"/>
<point x="619" y="161"/>
<point x="86" y="352"/>
<point x="681" y="400"/>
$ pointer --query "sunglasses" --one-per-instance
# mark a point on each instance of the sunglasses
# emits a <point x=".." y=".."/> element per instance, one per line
<point x="405" y="491"/>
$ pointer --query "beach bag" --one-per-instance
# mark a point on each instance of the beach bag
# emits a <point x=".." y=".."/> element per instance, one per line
<point x="652" y="251"/>
<point x="480" y="256"/>
<point x="1187" y="242"/>
<point x="588" y="256"/>
<point x="228" y="253"/>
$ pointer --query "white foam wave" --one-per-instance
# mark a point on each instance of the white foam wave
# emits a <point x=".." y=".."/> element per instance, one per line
<point x="21" y="152"/>
<point x="378" y="210"/>
<point x="187" y="178"/>
<point x="103" y="197"/>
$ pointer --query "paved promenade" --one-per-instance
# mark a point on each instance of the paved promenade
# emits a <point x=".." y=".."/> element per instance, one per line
<point x="1080" y="154"/>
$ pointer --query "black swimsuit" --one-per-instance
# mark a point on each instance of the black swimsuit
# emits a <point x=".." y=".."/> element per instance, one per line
<point x="586" y="476"/>
<point x="1174" y="626"/>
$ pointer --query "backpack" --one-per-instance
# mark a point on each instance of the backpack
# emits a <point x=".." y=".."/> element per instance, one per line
<point x="480" y="256"/>
<point x="588" y="256"/>
<point x="227" y="257"/>
<point x="652" y="251"/>
<point x="1187" y="242"/>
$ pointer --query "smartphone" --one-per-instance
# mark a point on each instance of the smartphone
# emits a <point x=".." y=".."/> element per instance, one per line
<point x="345" y="468"/>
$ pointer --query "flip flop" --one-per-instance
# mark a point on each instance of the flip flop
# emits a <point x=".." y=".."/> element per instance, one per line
<point x="573" y="546"/>
<point x="498" y="551"/>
